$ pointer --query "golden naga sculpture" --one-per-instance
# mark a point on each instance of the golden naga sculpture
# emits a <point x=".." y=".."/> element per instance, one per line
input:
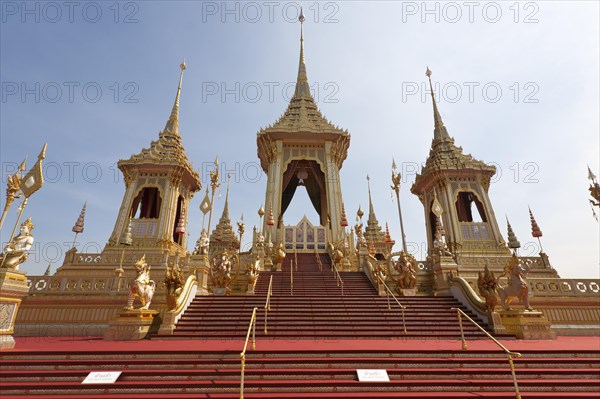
<point x="406" y="266"/>
<point x="517" y="287"/>
<point x="174" y="283"/>
<point x="487" y="285"/>
<point x="221" y="270"/>
<point x="16" y="251"/>
<point x="142" y="286"/>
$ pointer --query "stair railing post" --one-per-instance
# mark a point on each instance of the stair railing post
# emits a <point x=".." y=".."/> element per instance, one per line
<point x="251" y="328"/>
<point x="291" y="277"/>
<point x="462" y="333"/>
<point x="254" y="332"/>
<point x="268" y="301"/>
<point x="509" y="354"/>
<point x="514" y="376"/>
<point x="243" y="359"/>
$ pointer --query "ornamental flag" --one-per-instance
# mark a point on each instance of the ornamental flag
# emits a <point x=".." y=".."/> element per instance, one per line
<point x="34" y="180"/>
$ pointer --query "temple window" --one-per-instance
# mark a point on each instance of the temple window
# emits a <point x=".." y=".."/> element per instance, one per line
<point x="469" y="208"/>
<point x="146" y="205"/>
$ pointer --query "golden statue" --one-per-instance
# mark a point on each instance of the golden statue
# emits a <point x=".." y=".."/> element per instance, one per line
<point x="16" y="251"/>
<point x="202" y="244"/>
<point x="174" y="284"/>
<point x="221" y="270"/>
<point x="361" y="241"/>
<point x="253" y="271"/>
<point x="142" y="286"/>
<point x="517" y="287"/>
<point x="406" y="267"/>
<point x="487" y="285"/>
<point x="280" y="254"/>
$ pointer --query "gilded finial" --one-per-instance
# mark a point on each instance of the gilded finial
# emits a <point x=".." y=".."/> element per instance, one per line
<point x="439" y="128"/>
<point x="301" y="16"/>
<point x="172" y="125"/>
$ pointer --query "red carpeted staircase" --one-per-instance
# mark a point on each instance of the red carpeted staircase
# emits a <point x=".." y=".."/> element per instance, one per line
<point x="317" y="340"/>
<point x="316" y="308"/>
<point x="423" y="371"/>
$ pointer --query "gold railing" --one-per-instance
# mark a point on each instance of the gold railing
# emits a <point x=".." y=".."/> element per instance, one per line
<point x="319" y="263"/>
<point x="338" y="278"/>
<point x="268" y="301"/>
<point x="296" y="258"/>
<point x="251" y="329"/>
<point x="509" y="353"/>
<point x="388" y="293"/>
<point x="291" y="277"/>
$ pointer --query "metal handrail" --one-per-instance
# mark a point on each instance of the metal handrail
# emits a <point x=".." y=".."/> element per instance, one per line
<point x="291" y="277"/>
<point x="296" y="258"/>
<point x="509" y="353"/>
<point x="388" y="293"/>
<point x="319" y="263"/>
<point x="268" y="301"/>
<point x="251" y="328"/>
<point x="338" y="278"/>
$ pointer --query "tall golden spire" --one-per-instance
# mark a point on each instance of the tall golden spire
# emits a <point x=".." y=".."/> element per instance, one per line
<point x="226" y="207"/>
<point x="439" y="131"/>
<point x="372" y="220"/>
<point x="172" y="125"/>
<point x="302" y="87"/>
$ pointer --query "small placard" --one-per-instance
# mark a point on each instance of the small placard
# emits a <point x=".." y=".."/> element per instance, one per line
<point x="373" y="375"/>
<point x="102" y="377"/>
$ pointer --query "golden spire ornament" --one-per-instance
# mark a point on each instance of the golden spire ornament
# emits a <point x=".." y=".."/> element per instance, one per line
<point x="513" y="243"/>
<point x="536" y="232"/>
<point x="78" y="228"/>
<point x="172" y="125"/>
<point x="343" y="219"/>
<point x="439" y="131"/>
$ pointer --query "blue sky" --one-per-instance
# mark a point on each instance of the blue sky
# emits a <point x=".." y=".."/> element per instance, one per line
<point x="518" y="85"/>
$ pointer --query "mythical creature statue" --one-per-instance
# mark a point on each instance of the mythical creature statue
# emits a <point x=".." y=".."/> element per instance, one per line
<point x="142" y="286"/>
<point x="335" y="254"/>
<point x="361" y="241"/>
<point x="221" y="270"/>
<point x="174" y="283"/>
<point x="269" y="249"/>
<point x="487" y="285"/>
<point x="260" y="240"/>
<point x="517" y="287"/>
<point x="280" y="254"/>
<point x="16" y="251"/>
<point x="439" y="242"/>
<point x="202" y="244"/>
<point x="406" y="266"/>
<point x="253" y="270"/>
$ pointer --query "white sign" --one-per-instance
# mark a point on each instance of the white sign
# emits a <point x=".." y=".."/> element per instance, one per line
<point x="373" y="375"/>
<point x="102" y="377"/>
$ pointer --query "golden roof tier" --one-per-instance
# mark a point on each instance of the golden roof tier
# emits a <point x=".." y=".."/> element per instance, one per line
<point x="168" y="150"/>
<point x="302" y="119"/>
<point x="447" y="159"/>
